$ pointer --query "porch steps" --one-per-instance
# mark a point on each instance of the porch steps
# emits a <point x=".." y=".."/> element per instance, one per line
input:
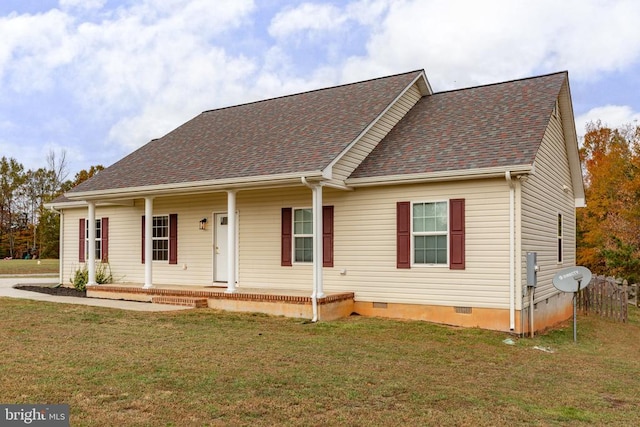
<point x="181" y="300"/>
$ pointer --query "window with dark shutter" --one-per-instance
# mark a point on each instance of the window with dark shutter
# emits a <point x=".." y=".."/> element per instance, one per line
<point x="81" y="240"/>
<point x="457" y="234"/>
<point x="143" y="238"/>
<point x="164" y="236"/>
<point x="286" y="236"/>
<point x="173" y="239"/>
<point x="105" y="239"/>
<point x="327" y="236"/>
<point x="403" y="235"/>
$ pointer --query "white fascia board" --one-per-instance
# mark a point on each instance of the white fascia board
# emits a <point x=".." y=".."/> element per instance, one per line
<point x="456" y="175"/>
<point x="197" y="186"/>
<point x="82" y="203"/>
<point x="65" y="205"/>
<point x="425" y="89"/>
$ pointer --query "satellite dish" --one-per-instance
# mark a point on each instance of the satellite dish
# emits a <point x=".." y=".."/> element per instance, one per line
<point x="572" y="279"/>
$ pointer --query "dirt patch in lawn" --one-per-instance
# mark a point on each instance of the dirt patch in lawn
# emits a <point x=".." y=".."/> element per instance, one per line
<point x="59" y="290"/>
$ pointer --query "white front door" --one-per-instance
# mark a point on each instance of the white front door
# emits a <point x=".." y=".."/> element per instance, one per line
<point x="220" y="247"/>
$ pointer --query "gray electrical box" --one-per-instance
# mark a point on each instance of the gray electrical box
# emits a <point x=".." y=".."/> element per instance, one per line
<point x="532" y="269"/>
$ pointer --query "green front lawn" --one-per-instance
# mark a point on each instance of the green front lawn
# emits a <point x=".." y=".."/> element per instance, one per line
<point x="203" y="367"/>
<point x="28" y="266"/>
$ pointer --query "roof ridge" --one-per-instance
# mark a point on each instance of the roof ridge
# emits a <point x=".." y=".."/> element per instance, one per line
<point x="312" y="91"/>
<point x="502" y="83"/>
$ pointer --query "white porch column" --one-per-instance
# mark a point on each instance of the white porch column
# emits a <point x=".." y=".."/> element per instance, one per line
<point x="61" y="248"/>
<point x="148" y="242"/>
<point x="318" y="290"/>
<point x="91" y="244"/>
<point x="231" y="242"/>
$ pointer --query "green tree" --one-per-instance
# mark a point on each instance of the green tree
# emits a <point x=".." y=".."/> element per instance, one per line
<point x="12" y="177"/>
<point x="49" y="221"/>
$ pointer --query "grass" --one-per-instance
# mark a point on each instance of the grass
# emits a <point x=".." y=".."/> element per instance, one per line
<point x="204" y="367"/>
<point x="28" y="266"/>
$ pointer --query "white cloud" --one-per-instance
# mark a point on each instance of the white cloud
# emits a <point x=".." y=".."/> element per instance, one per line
<point x="139" y="69"/>
<point x="82" y="4"/>
<point x="318" y="21"/>
<point x="199" y="83"/>
<point x="307" y="16"/>
<point x="33" y="45"/>
<point x="612" y="116"/>
<point x="462" y="43"/>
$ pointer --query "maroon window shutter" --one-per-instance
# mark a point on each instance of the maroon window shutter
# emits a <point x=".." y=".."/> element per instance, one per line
<point x="456" y="234"/>
<point x="286" y="238"/>
<point x="173" y="239"/>
<point x="143" y="239"/>
<point x="403" y="238"/>
<point x="104" y="223"/>
<point x="81" y="248"/>
<point x="327" y="236"/>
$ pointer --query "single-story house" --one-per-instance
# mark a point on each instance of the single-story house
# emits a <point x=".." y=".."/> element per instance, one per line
<point x="414" y="204"/>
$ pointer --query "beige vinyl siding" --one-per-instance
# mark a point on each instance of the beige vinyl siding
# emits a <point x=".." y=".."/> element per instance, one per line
<point x="365" y="245"/>
<point x="195" y="256"/>
<point x="543" y="198"/>
<point x="260" y="239"/>
<point x="363" y="147"/>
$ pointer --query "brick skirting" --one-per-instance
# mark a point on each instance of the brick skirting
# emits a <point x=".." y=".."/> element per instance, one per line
<point x="237" y="296"/>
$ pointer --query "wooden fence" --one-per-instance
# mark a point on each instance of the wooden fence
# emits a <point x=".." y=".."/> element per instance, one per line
<point x="605" y="297"/>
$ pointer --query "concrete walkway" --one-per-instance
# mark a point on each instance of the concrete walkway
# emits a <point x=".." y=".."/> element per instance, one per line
<point x="7" y="290"/>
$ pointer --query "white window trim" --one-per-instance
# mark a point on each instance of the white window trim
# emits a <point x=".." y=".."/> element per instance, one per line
<point x="98" y="239"/>
<point x="430" y="233"/>
<point x="294" y="235"/>
<point x="161" y="261"/>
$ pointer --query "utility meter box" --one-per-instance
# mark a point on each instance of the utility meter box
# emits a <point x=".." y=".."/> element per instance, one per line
<point x="532" y="269"/>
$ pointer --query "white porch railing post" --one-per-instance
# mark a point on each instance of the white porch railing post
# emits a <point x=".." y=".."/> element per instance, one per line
<point x="148" y="242"/>
<point x="231" y="242"/>
<point x="91" y="244"/>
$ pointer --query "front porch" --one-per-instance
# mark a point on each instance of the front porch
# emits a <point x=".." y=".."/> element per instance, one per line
<point x="277" y="302"/>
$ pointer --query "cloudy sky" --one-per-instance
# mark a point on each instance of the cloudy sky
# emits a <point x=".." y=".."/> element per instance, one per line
<point x="100" y="78"/>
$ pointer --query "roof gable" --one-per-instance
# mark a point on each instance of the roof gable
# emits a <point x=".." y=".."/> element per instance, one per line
<point x="285" y="135"/>
<point x="491" y="126"/>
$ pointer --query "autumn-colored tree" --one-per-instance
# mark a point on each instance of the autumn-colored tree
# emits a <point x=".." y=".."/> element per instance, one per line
<point x="608" y="237"/>
<point x="82" y="176"/>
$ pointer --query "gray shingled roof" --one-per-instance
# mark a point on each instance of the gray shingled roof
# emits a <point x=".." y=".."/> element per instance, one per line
<point x="481" y="127"/>
<point x="290" y="134"/>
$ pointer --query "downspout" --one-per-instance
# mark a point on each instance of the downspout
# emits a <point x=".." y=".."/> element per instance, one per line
<point x="512" y="251"/>
<point x="314" y="293"/>
<point x="91" y="243"/>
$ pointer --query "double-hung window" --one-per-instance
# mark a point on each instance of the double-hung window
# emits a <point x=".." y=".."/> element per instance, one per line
<point x="164" y="238"/>
<point x="303" y="235"/>
<point x="430" y="233"/>
<point x="98" y="239"/>
<point x="160" y="238"/>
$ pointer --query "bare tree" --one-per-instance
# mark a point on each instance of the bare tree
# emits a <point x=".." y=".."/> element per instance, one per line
<point x="57" y="164"/>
